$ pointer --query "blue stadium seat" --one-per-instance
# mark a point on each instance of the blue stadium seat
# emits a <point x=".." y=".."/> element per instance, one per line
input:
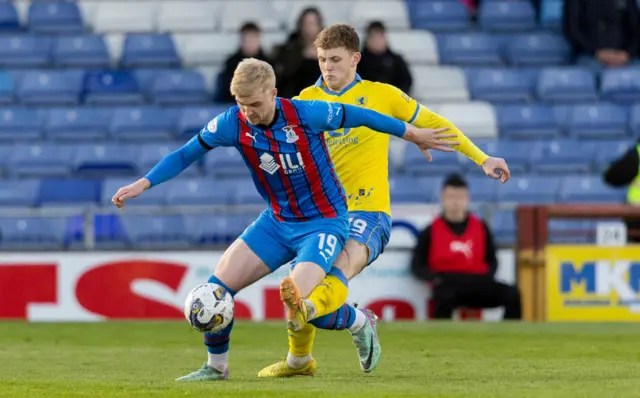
<point x="225" y="162"/>
<point x="55" y="17"/>
<point x="179" y="88"/>
<point x="112" y="88"/>
<point x="503" y="227"/>
<point x="142" y="124"/>
<point x="506" y="16"/>
<point x="598" y="121"/>
<point x="23" y="193"/>
<point x="608" y="151"/>
<point x="9" y="21"/>
<point x="146" y="76"/>
<point x="567" y="85"/>
<point x="193" y="119"/>
<point x="156" y="232"/>
<point x="7" y="88"/>
<point x="501" y="85"/>
<point x="551" y="14"/>
<point x="151" y="154"/>
<point x="469" y="49"/>
<point x="634" y="120"/>
<point x="41" y="160"/>
<point x="247" y="194"/>
<point x="482" y="189"/>
<point x="109" y="232"/>
<point x="6" y="150"/>
<point x="104" y="160"/>
<point x="439" y="16"/>
<point x="589" y="189"/>
<point x="19" y="124"/>
<point x="24" y="51"/>
<point x="563" y="156"/>
<point x="537" y="49"/>
<point x="149" y="50"/>
<point x="530" y="190"/>
<point x="210" y="229"/>
<point x="32" y="233"/>
<point x="69" y="192"/>
<point x="201" y="191"/>
<point x="81" y="51"/>
<point x="517" y="152"/>
<point x="77" y="124"/>
<point x="56" y="87"/>
<point x="152" y="197"/>
<point x="527" y="121"/>
<point x="415" y="162"/>
<point x="621" y="85"/>
<point x="412" y="190"/>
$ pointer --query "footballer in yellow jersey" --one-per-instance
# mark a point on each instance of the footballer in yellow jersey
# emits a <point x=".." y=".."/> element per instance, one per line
<point x="360" y="157"/>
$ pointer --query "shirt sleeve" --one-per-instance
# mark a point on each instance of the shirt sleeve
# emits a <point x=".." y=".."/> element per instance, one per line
<point x="321" y="116"/>
<point x="220" y="131"/>
<point x="420" y="267"/>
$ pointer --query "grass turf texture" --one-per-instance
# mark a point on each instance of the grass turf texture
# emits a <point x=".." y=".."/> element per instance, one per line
<point x="419" y="360"/>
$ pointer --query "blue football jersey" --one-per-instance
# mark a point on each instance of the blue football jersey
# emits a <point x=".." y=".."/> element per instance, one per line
<point x="289" y="160"/>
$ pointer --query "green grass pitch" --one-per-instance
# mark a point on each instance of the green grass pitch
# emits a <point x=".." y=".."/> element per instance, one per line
<point x="463" y="359"/>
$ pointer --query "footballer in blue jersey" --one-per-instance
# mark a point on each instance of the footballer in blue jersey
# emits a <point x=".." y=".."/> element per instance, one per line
<point x="282" y="142"/>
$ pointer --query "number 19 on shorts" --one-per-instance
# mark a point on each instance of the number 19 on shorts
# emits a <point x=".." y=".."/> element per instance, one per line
<point x="327" y="245"/>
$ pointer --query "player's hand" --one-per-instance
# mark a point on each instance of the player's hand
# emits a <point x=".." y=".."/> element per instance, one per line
<point x="427" y="139"/>
<point x="496" y="168"/>
<point x="130" y="191"/>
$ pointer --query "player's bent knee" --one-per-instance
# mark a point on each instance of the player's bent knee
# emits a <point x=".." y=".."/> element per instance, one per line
<point x="307" y="276"/>
<point x="353" y="259"/>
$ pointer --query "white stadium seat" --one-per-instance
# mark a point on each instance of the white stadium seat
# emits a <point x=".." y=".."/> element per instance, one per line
<point x="417" y="46"/>
<point x="439" y="84"/>
<point x="200" y="49"/>
<point x="476" y="119"/>
<point x="189" y="16"/>
<point x="125" y="17"/>
<point x="115" y="44"/>
<point x="392" y="13"/>
<point x="237" y="12"/>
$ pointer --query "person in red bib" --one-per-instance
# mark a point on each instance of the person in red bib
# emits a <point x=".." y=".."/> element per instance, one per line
<point x="457" y="256"/>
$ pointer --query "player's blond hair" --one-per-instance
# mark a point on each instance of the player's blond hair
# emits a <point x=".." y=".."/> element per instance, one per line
<point x="252" y="75"/>
<point x="338" y="35"/>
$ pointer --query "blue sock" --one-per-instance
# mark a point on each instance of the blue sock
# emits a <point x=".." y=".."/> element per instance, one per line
<point x="341" y="319"/>
<point x="218" y="343"/>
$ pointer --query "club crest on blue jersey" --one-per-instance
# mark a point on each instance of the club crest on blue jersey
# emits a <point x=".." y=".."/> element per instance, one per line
<point x="213" y="125"/>
<point x="291" y="134"/>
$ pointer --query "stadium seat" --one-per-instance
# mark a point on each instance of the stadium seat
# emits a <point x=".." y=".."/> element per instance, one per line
<point x="193" y="119"/>
<point x="439" y="16"/>
<point x="563" y="156"/>
<point x="9" y="20"/>
<point x="111" y="88"/>
<point x="41" y="160"/>
<point x="188" y="16"/>
<point x="109" y="233"/>
<point x="117" y="16"/>
<point x="149" y="50"/>
<point x="477" y="119"/>
<point x="527" y="122"/>
<point x="482" y="189"/>
<point x="469" y="49"/>
<point x="518" y="153"/>
<point x="413" y="190"/>
<point x="23" y="193"/>
<point x="104" y="160"/>
<point x="151" y="154"/>
<point x="20" y="124"/>
<point x="201" y="191"/>
<point x="506" y="16"/>
<point x="32" y="233"/>
<point x="439" y="84"/>
<point x="562" y="231"/>
<point x="55" y="17"/>
<point x="608" y="151"/>
<point x="7" y="88"/>
<point x="589" y="189"/>
<point x="415" y="162"/>
<point x="501" y="85"/>
<point x="55" y="87"/>
<point x="551" y="14"/>
<point x="69" y="192"/>
<point x="234" y="14"/>
<point x="634" y="120"/>
<point x="199" y="49"/>
<point x="156" y="232"/>
<point x="141" y="124"/>
<point x="225" y="162"/>
<point x="598" y="121"/>
<point x="416" y="47"/>
<point x="529" y="190"/>
<point x="537" y="49"/>
<point x="88" y="51"/>
<point x="24" y="51"/>
<point x="503" y="226"/>
<point x="80" y="124"/>
<point x="152" y="197"/>
<point x="178" y="88"/>
<point x="216" y="229"/>
<point x="246" y="193"/>
<point x="393" y="14"/>
<point x="621" y="85"/>
<point x="567" y="85"/>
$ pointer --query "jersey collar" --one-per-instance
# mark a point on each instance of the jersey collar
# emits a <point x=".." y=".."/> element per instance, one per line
<point x="320" y="83"/>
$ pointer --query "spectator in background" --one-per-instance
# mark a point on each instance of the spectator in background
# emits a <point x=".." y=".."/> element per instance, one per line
<point x="624" y="172"/>
<point x="456" y="255"/>
<point x="380" y="64"/>
<point x="607" y="30"/>
<point x="296" y="62"/>
<point x="250" y="47"/>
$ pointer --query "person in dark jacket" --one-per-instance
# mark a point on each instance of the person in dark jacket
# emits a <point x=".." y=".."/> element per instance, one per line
<point x="608" y="30"/>
<point x="380" y="64"/>
<point x="250" y="47"/>
<point x="296" y="61"/>
<point x="457" y="256"/>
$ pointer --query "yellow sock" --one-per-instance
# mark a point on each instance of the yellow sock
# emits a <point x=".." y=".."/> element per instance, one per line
<point x="301" y="343"/>
<point x="329" y="295"/>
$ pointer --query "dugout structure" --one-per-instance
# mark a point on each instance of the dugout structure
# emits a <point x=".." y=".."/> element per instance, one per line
<point x="532" y="238"/>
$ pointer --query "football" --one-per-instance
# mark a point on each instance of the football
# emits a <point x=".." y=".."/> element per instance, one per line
<point x="209" y="308"/>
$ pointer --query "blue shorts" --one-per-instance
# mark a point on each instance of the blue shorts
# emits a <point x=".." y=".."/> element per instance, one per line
<point x="371" y="229"/>
<point x="279" y="242"/>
